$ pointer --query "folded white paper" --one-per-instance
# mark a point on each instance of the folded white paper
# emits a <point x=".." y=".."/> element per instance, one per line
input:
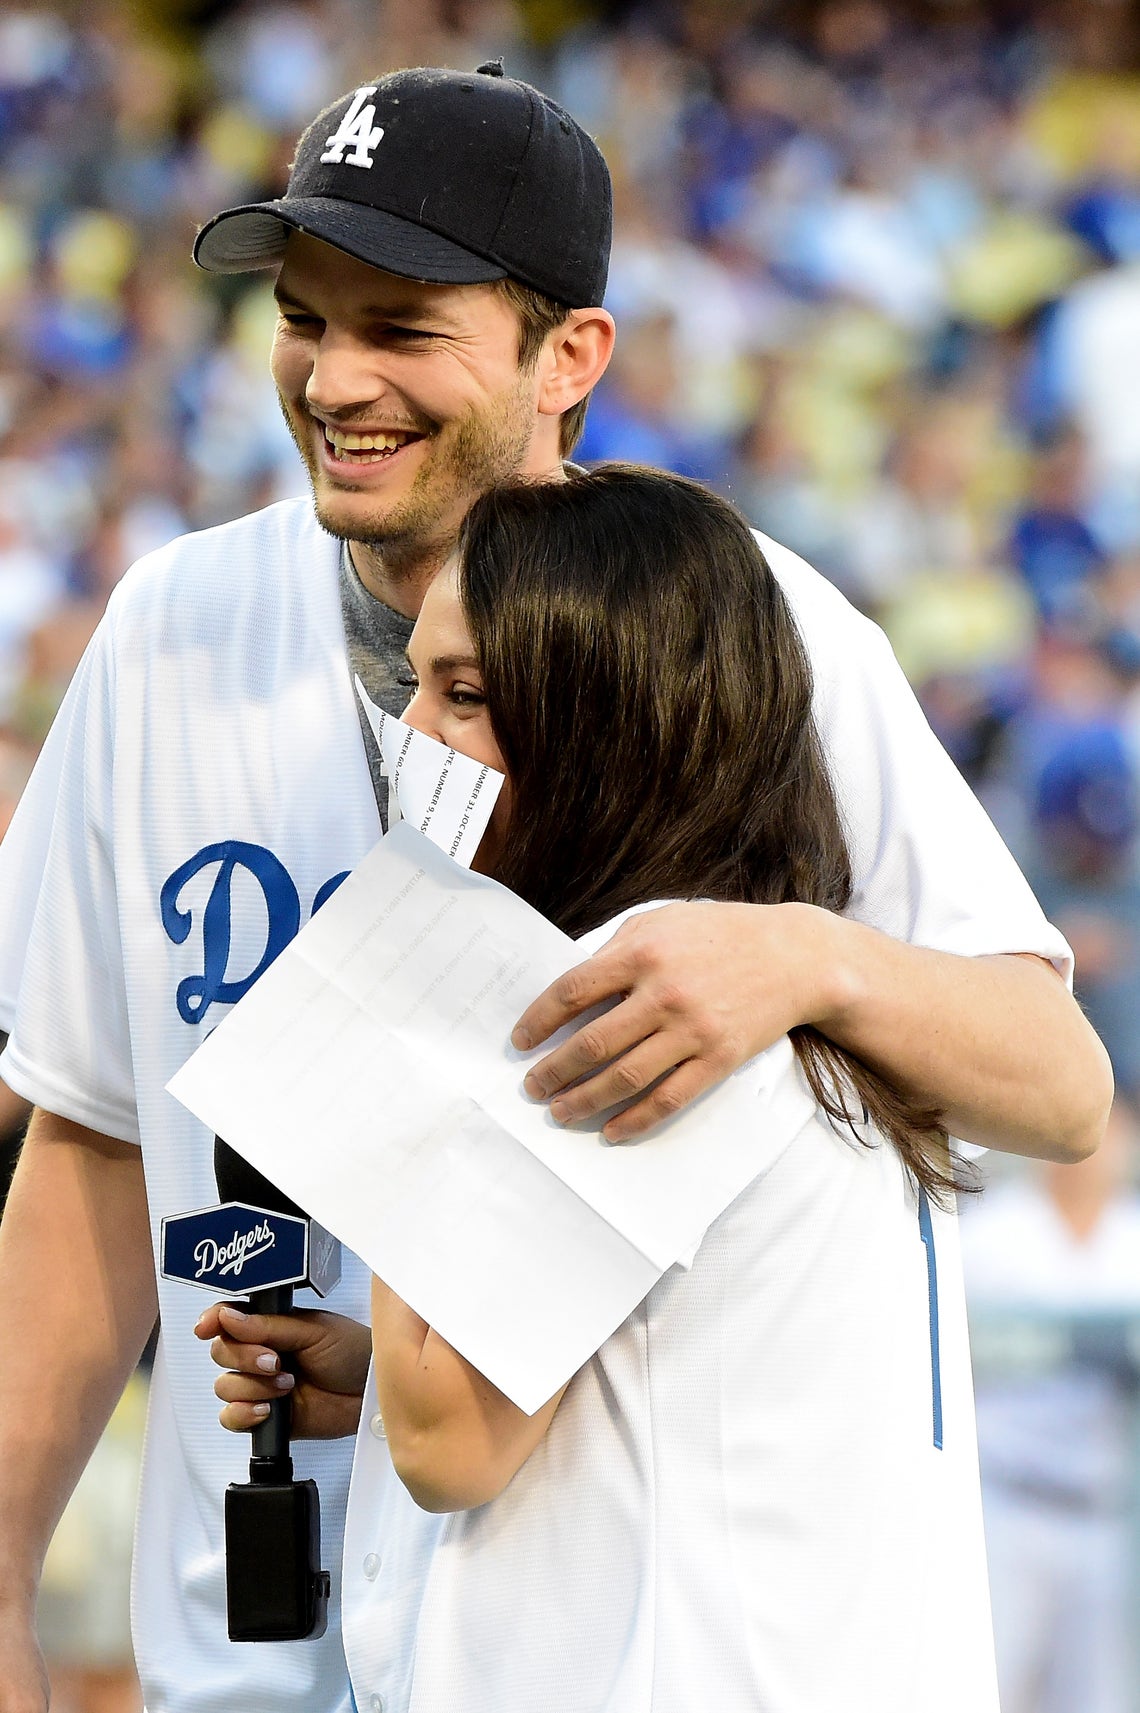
<point x="446" y="795"/>
<point x="369" y="1073"/>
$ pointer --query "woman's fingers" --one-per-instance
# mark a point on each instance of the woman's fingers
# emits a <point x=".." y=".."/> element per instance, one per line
<point x="245" y="1358"/>
<point x="242" y="1418"/>
<point x="252" y="1343"/>
<point x="246" y="1389"/>
<point x="247" y="1398"/>
<point x="318" y="1359"/>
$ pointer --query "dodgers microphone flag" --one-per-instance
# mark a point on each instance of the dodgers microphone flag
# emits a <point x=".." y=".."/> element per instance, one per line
<point x="236" y="1249"/>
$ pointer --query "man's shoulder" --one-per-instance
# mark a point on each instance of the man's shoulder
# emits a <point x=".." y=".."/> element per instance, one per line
<point x="261" y="545"/>
<point x="836" y="634"/>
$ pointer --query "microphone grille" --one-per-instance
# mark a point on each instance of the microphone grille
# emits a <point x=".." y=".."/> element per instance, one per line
<point x="239" y="1181"/>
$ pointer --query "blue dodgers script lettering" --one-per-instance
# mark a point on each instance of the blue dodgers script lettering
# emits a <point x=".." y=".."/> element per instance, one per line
<point x="328" y="889"/>
<point x="216" y="985"/>
<point x="283" y="913"/>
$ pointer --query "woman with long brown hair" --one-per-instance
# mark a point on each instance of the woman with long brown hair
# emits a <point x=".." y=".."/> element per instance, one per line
<point x="651" y="698"/>
<point x="760" y="1495"/>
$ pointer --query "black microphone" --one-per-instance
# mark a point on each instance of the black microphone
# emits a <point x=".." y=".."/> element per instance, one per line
<point x="275" y="1589"/>
<point x="261" y="1243"/>
<point x="238" y="1181"/>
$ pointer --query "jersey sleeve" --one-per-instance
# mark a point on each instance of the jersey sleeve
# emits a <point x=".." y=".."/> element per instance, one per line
<point x="62" y="992"/>
<point x="928" y="865"/>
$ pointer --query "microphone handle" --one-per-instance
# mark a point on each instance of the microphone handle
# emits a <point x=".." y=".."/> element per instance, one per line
<point x="270" y="1460"/>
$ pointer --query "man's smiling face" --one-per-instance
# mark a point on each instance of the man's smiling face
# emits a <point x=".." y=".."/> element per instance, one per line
<point x="406" y="400"/>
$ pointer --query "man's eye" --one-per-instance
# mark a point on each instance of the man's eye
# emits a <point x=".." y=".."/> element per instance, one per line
<point x="294" y="318"/>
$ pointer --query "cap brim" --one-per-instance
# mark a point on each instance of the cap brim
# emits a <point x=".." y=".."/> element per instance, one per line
<point x="254" y="236"/>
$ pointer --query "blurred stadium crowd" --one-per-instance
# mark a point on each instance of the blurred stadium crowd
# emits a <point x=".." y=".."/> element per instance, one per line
<point x="877" y="278"/>
<point x="877" y="272"/>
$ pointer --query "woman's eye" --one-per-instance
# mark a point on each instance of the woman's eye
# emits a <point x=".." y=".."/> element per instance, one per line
<point x="463" y="697"/>
<point x="408" y="683"/>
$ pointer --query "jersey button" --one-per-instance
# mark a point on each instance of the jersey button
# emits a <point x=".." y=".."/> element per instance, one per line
<point x="376" y="1703"/>
<point x="372" y="1566"/>
<point x="376" y="1426"/>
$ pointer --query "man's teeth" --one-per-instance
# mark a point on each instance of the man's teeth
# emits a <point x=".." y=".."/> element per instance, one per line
<point x="364" y="442"/>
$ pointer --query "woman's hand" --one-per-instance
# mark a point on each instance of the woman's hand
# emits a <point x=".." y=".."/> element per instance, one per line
<point x="329" y="1361"/>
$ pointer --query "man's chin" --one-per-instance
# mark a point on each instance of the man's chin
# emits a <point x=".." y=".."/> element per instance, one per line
<point x="332" y="522"/>
<point x="349" y="522"/>
<point x="400" y="530"/>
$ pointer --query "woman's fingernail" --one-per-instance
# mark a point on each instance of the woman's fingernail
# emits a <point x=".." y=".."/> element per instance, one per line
<point x="268" y="1363"/>
<point x="261" y="1409"/>
<point x="284" y="1382"/>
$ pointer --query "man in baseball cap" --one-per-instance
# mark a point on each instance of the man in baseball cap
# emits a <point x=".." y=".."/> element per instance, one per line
<point x="441" y="250"/>
<point x="440" y="176"/>
<point x="442" y="247"/>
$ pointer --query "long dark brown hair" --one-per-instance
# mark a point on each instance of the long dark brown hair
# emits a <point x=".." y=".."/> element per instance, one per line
<point x="651" y="696"/>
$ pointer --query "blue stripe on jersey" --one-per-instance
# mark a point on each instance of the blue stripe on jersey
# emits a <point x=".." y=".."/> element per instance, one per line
<point x="926" y="1231"/>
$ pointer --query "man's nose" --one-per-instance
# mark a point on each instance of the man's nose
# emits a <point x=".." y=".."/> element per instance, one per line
<point x="343" y="376"/>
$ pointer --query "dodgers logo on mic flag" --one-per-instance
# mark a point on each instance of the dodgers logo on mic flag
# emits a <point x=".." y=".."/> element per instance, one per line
<point x="235" y="1249"/>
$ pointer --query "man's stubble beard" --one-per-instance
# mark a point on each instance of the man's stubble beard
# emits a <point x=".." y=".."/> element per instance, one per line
<point x="468" y="458"/>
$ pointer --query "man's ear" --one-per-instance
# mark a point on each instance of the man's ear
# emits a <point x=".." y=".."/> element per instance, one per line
<point x="574" y="359"/>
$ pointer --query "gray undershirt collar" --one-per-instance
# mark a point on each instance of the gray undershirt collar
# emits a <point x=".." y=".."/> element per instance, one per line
<point x="376" y="637"/>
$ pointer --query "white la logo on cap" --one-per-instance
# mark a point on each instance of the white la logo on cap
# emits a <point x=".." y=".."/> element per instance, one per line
<point x="356" y="128"/>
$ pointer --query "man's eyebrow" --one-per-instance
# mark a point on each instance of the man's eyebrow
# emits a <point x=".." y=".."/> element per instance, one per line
<point x="400" y="310"/>
<point x="284" y="295"/>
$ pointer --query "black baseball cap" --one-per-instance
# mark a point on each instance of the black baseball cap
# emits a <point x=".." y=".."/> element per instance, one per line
<point x="445" y="176"/>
